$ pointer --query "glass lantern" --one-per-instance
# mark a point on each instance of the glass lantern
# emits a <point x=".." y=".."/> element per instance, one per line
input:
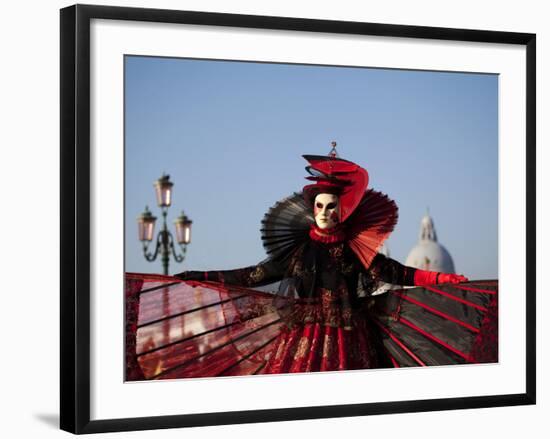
<point x="163" y="189"/>
<point x="183" y="229"/>
<point x="146" y="225"/>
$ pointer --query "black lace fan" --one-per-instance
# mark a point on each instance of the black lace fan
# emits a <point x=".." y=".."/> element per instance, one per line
<point x="285" y="226"/>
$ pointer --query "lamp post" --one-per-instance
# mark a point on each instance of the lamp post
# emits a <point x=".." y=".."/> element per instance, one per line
<point x="165" y="240"/>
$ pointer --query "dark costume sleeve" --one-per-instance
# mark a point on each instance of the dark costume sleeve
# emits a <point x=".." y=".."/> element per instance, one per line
<point x="256" y="275"/>
<point x="391" y="271"/>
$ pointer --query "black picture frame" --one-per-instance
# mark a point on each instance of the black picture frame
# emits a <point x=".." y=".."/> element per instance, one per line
<point x="75" y="217"/>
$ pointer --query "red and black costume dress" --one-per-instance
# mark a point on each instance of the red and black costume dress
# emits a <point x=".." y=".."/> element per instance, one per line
<point x="325" y="326"/>
<point x="323" y="316"/>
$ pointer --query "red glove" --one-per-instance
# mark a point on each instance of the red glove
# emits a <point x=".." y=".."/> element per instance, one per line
<point x="422" y="277"/>
<point x="449" y="278"/>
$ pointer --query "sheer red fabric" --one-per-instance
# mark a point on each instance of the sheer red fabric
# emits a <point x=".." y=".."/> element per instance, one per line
<point x="177" y="329"/>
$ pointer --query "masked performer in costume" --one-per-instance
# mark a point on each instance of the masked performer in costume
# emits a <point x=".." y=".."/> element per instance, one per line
<point x="322" y="247"/>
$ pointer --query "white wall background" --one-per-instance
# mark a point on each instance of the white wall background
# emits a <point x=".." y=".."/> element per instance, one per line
<point x="29" y="170"/>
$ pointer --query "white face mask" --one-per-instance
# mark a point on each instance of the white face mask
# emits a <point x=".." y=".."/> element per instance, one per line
<point x="326" y="211"/>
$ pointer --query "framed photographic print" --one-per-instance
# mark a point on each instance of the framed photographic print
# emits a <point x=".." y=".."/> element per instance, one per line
<point x="398" y="276"/>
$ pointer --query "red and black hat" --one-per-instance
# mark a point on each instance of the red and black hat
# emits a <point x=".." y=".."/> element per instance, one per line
<point x="333" y="175"/>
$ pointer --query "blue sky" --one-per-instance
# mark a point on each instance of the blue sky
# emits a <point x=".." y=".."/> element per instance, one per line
<point x="231" y="136"/>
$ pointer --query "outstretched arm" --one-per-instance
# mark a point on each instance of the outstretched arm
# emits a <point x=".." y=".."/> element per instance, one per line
<point x="393" y="272"/>
<point x="253" y="276"/>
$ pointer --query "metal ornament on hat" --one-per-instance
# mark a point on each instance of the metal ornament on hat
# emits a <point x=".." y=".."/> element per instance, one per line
<point x="333" y="153"/>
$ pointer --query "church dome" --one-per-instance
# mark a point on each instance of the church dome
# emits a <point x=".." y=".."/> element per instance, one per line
<point x="429" y="254"/>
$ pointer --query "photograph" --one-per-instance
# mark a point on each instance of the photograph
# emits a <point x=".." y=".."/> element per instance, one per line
<point x="288" y="218"/>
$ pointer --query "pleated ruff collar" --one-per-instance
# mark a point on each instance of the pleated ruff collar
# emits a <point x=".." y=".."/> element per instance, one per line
<point x="327" y="236"/>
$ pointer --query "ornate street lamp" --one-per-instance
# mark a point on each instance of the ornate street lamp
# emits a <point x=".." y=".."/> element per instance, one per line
<point x="165" y="240"/>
